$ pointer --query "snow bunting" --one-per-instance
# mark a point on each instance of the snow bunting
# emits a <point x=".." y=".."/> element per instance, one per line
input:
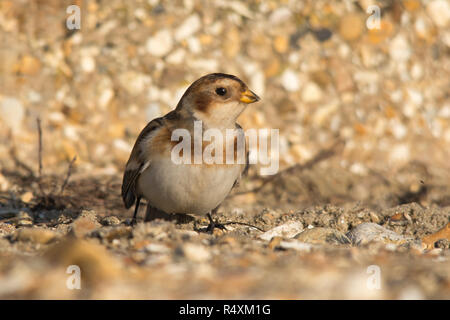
<point x="216" y="100"/>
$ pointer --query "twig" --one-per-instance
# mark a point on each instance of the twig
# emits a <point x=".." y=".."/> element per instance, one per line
<point x="38" y="121"/>
<point x="69" y="172"/>
<point x="41" y="188"/>
<point x="243" y="224"/>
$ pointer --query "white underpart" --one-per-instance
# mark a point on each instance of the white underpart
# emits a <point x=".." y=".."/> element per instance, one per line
<point x="185" y="188"/>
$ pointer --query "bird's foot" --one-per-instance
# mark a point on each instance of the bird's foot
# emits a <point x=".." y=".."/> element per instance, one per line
<point x="213" y="225"/>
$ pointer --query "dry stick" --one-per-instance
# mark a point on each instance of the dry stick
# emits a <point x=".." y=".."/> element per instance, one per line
<point x="321" y="156"/>
<point x="38" y="122"/>
<point x="69" y="172"/>
<point x="243" y="224"/>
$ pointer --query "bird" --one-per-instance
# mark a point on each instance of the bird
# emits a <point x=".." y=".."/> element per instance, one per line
<point x="217" y="100"/>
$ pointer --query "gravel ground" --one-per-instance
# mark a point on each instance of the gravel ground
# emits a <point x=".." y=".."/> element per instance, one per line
<point x="360" y="207"/>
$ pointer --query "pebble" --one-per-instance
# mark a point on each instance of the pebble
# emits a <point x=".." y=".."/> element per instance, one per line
<point x="157" y="248"/>
<point x="399" y="49"/>
<point x="4" y="183"/>
<point x="110" y="221"/>
<point x="113" y="233"/>
<point x="351" y="26"/>
<point x="95" y="261"/>
<point x="29" y="65"/>
<point x="190" y="26"/>
<point x="195" y="252"/>
<point x="311" y="92"/>
<point x="6" y="229"/>
<point x="281" y="44"/>
<point x="12" y="113"/>
<point x="176" y="57"/>
<point x="280" y="15"/>
<point x="368" y="232"/>
<point x="87" y="63"/>
<point x="84" y="224"/>
<point x="134" y="82"/>
<point x="160" y="43"/>
<point x="35" y="235"/>
<point x="320" y="235"/>
<point x="287" y="230"/>
<point x="296" y="245"/>
<point x="27" y="197"/>
<point x="439" y="11"/>
<point x="290" y="80"/>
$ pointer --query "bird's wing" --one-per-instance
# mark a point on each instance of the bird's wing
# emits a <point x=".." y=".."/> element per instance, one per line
<point x="247" y="163"/>
<point x="137" y="163"/>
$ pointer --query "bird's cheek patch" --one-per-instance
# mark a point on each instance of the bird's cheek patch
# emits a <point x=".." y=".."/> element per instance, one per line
<point x="203" y="103"/>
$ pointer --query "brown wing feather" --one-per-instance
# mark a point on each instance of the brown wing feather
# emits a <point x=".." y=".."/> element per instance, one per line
<point x="136" y="163"/>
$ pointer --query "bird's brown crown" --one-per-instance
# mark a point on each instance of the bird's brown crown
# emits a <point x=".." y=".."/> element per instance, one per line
<point x="216" y="89"/>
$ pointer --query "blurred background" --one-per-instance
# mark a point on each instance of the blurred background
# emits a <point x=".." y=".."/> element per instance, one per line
<point x="321" y="72"/>
<point x="366" y="89"/>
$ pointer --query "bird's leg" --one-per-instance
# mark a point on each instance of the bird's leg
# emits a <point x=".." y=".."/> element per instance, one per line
<point x="136" y="209"/>
<point x="213" y="224"/>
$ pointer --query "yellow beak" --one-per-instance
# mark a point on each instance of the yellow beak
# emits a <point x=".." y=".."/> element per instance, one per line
<point x="249" y="97"/>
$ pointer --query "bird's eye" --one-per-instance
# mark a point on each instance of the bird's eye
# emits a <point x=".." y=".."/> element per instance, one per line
<point x="221" y="91"/>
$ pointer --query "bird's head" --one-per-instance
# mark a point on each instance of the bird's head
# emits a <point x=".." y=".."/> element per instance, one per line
<point x="217" y="99"/>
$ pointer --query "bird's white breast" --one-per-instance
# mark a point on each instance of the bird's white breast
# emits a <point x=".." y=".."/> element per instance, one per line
<point x="187" y="188"/>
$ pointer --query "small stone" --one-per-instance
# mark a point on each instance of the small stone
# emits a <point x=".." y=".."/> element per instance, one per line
<point x="377" y="35"/>
<point x="442" y="234"/>
<point x="411" y="5"/>
<point x="280" y="15"/>
<point x="35" y="235"/>
<point x="442" y="244"/>
<point x="368" y="232"/>
<point x="194" y="45"/>
<point x="27" y="197"/>
<point x="281" y="44"/>
<point x="176" y="57"/>
<point x="29" y="65"/>
<point x="351" y="26"/>
<point x="84" y="224"/>
<point x="322" y="236"/>
<point x="96" y="263"/>
<point x="113" y="233"/>
<point x="134" y="82"/>
<point x="4" y="183"/>
<point x="296" y="245"/>
<point x="24" y="219"/>
<point x="6" y="229"/>
<point x="439" y="11"/>
<point x="399" y="49"/>
<point x="311" y="92"/>
<point x="274" y="242"/>
<point x="157" y="248"/>
<point x="105" y="97"/>
<point x="196" y="253"/>
<point x="290" y="80"/>
<point x="287" y="230"/>
<point x="87" y="63"/>
<point x="190" y="26"/>
<point x="110" y="221"/>
<point x="322" y="34"/>
<point x="160" y="43"/>
<point x="12" y="113"/>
